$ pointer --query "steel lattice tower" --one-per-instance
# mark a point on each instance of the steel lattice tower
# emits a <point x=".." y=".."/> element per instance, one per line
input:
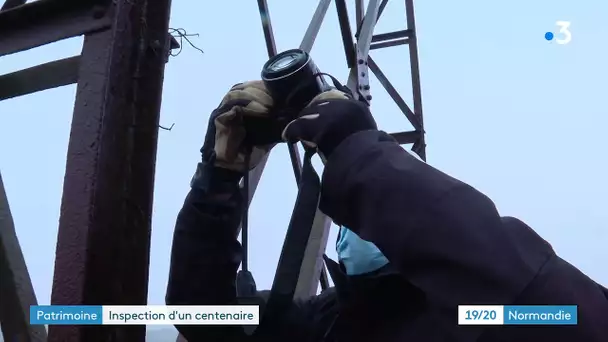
<point x="107" y="197"/>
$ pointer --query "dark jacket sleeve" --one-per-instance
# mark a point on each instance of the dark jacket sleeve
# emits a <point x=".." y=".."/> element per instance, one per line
<point x="204" y="260"/>
<point x="444" y="236"/>
<point x="448" y="240"/>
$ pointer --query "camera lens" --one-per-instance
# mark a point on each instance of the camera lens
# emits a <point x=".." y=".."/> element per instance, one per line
<point x="283" y="62"/>
<point x="292" y="78"/>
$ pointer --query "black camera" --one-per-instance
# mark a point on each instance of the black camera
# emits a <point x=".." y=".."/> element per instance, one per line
<point x="293" y="80"/>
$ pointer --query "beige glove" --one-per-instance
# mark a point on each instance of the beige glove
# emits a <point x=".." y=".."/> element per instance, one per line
<point x="246" y="99"/>
<point x="328" y="95"/>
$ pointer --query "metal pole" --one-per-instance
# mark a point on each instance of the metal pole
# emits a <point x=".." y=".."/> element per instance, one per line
<point x="103" y="243"/>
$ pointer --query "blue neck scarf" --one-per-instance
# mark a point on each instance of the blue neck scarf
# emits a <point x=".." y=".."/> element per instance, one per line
<point x="357" y="255"/>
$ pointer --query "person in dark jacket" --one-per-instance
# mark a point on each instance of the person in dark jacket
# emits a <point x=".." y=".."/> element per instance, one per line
<point x="414" y="244"/>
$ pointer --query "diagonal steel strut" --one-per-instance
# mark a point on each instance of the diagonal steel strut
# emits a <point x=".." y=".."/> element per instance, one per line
<point x="16" y="290"/>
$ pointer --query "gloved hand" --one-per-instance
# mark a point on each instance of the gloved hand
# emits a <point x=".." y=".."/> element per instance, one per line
<point x="225" y="143"/>
<point x="329" y="119"/>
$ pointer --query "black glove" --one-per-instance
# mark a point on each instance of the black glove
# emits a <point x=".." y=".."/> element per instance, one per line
<point x="328" y="120"/>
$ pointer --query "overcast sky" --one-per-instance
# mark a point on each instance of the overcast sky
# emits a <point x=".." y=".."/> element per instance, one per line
<point x="521" y="119"/>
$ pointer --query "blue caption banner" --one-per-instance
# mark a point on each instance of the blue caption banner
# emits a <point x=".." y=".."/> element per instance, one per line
<point x="66" y="315"/>
<point x="540" y="315"/>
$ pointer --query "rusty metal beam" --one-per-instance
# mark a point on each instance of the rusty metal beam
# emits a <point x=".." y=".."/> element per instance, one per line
<point x="41" y="77"/>
<point x="46" y="21"/>
<point x="103" y="244"/>
<point x="16" y="290"/>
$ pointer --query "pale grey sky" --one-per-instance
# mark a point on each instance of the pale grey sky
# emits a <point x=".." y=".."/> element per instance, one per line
<point x="521" y="119"/>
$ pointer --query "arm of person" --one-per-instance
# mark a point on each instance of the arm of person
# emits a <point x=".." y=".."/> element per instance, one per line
<point x="444" y="236"/>
<point x="206" y="255"/>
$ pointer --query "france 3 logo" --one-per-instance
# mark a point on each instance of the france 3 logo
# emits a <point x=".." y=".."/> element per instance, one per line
<point x="563" y="35"/>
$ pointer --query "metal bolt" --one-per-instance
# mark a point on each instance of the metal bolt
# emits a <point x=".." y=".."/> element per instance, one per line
<point x="361" y="61"/>
<point x="366" y="87"/>
<point x="368" y="97"/>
